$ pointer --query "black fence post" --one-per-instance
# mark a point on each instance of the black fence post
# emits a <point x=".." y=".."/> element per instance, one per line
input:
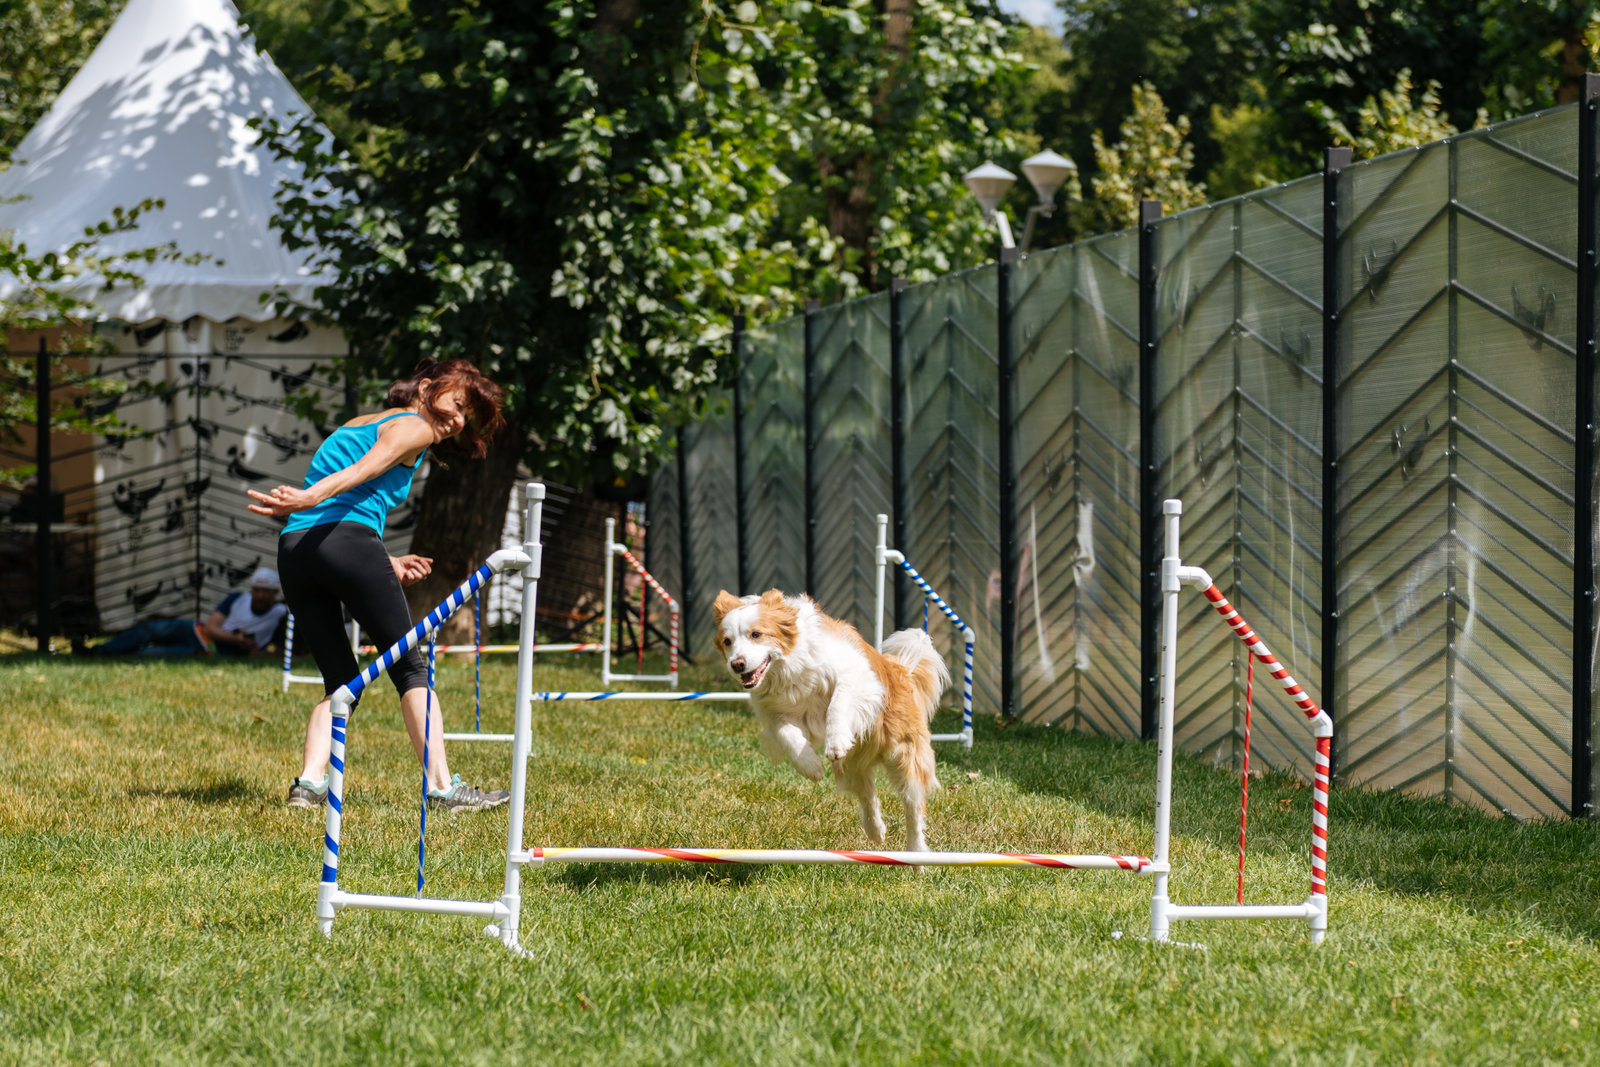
<point x="1149" y="498"/>
<point x="1583" y="461"/>
<point x="740" y="502"/>
<point x="1008" y="488"/>
<point x="899" y="504"/>
<point x="811" y="448"/>
<point x="1333" y="160"/>
<point x="43" y="501"/>
<point x="685" y="556"/>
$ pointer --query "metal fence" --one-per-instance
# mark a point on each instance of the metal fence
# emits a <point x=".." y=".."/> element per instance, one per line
<point x="149" y="519"/>
<point x="1366" y="387"/>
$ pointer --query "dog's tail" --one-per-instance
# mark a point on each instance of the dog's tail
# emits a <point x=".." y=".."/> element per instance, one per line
<point x="928" y="673"/>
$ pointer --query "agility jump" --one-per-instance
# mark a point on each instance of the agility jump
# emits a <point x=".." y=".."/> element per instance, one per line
<point x="503" y="915"/>
<point x="886" y="555"/>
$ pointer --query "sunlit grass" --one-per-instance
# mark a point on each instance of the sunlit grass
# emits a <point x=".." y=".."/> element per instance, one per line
<point x="156" y="899"/>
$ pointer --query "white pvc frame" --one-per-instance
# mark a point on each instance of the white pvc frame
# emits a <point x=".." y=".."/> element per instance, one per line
<point x="885" y="556"/>
<point x="607" y="675"/>
<point x="504" y="914"/>
<point x="288" y="653"/>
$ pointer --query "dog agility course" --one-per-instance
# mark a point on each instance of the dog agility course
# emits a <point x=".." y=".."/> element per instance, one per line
<point x="503" y="915"/>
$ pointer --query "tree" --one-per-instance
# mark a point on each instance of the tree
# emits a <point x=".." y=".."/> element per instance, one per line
<point x="576" y="196"/>
<point x="42" y="45"/>
<point x="1392" y="120"/>
<point x="893" y="100"/>
<point x="1152" y="161"/>
<point x="48" y="298"/>
<point x="1500" y="57"/>
<point x="1196" y="56"/>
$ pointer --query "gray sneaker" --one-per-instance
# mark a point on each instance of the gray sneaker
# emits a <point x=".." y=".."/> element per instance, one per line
<point x="304" y="796"/>
<point x="463" y="797"/>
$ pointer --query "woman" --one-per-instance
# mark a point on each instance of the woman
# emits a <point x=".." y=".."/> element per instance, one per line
<point x="331" y="557"/>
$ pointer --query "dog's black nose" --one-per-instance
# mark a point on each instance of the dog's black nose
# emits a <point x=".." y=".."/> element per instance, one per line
<point x="736" y="665"/>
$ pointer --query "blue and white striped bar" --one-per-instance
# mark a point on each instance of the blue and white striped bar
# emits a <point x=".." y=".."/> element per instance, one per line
<point x="885" y="554"/>
<point x="498" y="562"/>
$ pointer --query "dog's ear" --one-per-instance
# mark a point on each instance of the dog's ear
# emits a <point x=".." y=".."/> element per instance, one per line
<point x="724" y="603"/>
<point x="772" y="598"/>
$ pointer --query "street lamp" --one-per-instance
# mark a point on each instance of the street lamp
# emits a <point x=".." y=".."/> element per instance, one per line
<point x="1046" y="172"/>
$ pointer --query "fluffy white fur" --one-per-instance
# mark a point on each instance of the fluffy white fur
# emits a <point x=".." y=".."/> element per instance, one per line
<point x="816" y="686"/>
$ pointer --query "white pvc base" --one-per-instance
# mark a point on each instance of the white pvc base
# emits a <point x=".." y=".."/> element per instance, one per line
<point x="964" y="737"/>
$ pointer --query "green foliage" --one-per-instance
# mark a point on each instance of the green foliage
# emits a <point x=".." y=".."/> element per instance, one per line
<point x="42" y="45"/>
<point x="574" y="195"/>
<point x="891" y="104"/>
<point x="1393" y="121"/>
<point x="50" y="298"/>
<point x="1152" y="161"/>
<point x="1196" y="56"/>
<point x="1500" y="57"/>
<point x="1247" y="159"/>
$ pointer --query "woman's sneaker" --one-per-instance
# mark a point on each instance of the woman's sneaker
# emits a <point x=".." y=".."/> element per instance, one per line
<point x="304" y="793"/>
<point x="463" y="797"/>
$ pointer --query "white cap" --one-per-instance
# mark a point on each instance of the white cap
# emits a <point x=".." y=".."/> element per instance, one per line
<point x="265" y="578"/>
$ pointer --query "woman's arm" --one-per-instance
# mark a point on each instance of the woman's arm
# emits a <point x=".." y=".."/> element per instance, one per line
<point x="396" y="441"/>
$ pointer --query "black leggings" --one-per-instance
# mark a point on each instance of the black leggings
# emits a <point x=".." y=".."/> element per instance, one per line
<point x="325" y="569"/>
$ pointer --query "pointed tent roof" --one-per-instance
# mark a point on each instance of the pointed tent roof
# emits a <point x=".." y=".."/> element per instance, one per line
<point x="160" y="111"/>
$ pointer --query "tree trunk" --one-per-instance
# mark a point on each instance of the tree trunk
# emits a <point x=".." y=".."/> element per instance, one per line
<point x="460" y="518"/>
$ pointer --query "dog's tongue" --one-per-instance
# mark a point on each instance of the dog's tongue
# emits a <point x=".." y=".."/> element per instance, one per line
<point x="751" y="678"/>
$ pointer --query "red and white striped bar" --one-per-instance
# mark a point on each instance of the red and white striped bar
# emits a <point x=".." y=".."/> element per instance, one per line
<point x="593" y="646"/>
<point x="676" y="697"/>
<point x="841" y="857"/>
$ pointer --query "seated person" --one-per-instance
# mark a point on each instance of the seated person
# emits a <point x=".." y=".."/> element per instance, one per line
<point x="240" y="626"/>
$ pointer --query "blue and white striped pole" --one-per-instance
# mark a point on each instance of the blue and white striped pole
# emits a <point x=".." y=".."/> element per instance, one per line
<point x="888" y="555"/>
<point x="288" y="649"/>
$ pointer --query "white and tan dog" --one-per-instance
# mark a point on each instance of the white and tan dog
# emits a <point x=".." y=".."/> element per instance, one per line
<point x="815" y="684"/>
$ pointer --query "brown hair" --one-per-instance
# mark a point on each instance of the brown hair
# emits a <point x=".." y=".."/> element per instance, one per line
<point x="434" y="378"/>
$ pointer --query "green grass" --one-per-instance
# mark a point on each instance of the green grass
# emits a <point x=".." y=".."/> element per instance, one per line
<point x="156" y="900"/>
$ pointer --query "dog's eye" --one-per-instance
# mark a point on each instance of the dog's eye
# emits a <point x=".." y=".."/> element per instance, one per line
<point x="755" y="634"/>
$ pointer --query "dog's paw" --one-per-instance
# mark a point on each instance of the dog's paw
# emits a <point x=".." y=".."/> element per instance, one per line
<point x="837" y="750"/>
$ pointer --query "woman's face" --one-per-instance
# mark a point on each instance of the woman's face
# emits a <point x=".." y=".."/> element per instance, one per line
<point x="448" y="412"/>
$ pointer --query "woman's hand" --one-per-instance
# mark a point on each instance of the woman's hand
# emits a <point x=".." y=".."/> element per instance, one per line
<point x="411" y="569"/>
<point x="284" y="500"/>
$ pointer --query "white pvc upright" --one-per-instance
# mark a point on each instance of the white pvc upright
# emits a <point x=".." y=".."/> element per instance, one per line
<point x="502" y="914"/>
<point x="1314" y="910"/>
<point x="884" y="556"/>
<point x="607" y="675"/>
<point x="289" y="676"/>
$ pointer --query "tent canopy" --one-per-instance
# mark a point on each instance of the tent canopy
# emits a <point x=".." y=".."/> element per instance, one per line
<point x="159" y="112"/>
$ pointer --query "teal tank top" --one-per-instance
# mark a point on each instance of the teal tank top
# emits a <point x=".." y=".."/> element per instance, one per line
<point x="368" y="503"/>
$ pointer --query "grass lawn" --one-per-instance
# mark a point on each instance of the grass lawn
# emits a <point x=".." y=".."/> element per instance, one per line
<point x="156" y="899"/>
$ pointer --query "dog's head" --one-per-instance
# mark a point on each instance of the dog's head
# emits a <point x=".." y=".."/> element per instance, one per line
<point x="753" y="633"/>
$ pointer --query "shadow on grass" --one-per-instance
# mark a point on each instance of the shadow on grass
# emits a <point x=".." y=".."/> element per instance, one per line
<point x="224" y="792"/>
<point x="578" y="875"/>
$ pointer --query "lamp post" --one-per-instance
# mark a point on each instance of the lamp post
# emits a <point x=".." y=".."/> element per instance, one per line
<point x="1046" y="172"/>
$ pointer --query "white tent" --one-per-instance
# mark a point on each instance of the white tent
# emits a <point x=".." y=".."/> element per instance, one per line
<point x="160" y="111"/>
